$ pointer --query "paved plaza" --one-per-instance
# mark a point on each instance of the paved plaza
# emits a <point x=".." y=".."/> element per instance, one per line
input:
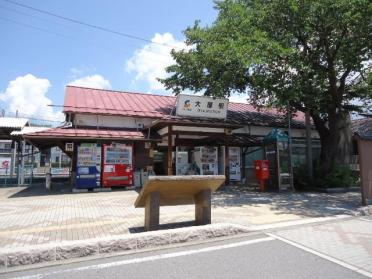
<point x="32" y="216"/>
<point x="349" y="241"/>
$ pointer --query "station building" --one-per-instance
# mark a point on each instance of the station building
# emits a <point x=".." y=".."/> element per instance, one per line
<point x="117" y="138"/>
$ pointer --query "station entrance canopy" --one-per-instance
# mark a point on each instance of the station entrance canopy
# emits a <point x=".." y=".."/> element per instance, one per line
<point x="59" y="136"/>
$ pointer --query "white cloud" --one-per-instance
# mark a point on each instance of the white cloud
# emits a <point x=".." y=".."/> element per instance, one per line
<point x="93" y="81"/>
<point x="149" y="62"/>
<point x="27" y="95"/>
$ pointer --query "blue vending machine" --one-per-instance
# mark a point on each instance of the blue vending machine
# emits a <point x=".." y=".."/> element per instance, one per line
<point x="88" y="173"/>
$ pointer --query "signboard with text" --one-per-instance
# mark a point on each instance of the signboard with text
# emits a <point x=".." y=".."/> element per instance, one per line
<point x="4" y="165"/>
<point x="201" y="106"/>
<point x="60" y="171"/>
<point x="69" y="146"/>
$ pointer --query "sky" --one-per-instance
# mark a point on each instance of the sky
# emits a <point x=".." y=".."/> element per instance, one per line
<point x="41" y="54"/>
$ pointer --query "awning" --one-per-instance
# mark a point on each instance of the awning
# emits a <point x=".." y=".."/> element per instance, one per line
<point x="10" y="124"/>
<point x="57" y="136"/>
<point x="28" y="130"/>
<point x="87" y="134"/>
<point x="13" y="122"/>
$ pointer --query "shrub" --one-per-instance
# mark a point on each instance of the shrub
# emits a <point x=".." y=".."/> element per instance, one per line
<point x="340" y="176"/>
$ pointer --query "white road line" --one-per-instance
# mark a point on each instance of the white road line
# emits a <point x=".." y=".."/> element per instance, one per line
<point x="149" y="258"/>
<point x="329" y="258"/>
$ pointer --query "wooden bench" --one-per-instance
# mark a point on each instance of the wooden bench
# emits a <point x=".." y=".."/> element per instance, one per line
<point x="178" y="190"/>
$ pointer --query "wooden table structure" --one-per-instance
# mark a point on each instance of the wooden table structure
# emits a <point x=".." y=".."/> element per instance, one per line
<point x="178" y="190"/>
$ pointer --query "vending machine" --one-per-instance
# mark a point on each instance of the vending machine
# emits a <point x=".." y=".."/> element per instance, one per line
<point x="206" y="160"/>
<point x="182" y="161"/>
<point x="117" y="165"/>
<point x="88" y="172"/>
<point x="234" y="163"/>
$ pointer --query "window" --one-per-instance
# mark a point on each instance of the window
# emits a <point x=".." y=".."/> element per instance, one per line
<point x="253" y="153"/>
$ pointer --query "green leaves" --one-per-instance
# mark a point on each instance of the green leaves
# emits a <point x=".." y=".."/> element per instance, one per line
<point x="302" y="52"/>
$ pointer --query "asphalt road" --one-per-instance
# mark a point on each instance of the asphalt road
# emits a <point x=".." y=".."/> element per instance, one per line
<point x="259" y="256"/>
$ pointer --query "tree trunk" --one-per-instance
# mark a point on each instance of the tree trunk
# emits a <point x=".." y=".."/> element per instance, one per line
<point x="336" y="140"/>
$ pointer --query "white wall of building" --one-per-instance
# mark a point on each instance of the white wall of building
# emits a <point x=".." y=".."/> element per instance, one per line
<point x="111" y="121"/>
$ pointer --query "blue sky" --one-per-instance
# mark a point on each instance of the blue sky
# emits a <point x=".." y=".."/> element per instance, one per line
<point x="36" y="65"/>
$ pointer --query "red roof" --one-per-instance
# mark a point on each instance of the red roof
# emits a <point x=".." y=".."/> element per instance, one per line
<point x="87" y="134"/>
<point x="101" y="101"/>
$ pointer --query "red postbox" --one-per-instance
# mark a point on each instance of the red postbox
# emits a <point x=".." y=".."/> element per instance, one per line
<point x="261" y="168"/>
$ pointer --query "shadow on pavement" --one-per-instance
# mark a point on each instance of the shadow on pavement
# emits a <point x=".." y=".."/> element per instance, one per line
<point x="165" y="226"/>
<point x="307" y="204"/>
<point x="58" y="188"/>
<point x="310" y="204"/>
<point x="40" y="190"/>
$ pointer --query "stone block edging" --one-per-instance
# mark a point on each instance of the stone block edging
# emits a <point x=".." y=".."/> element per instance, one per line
<point x="364" y="211"/>
<point x="54" y="252"/>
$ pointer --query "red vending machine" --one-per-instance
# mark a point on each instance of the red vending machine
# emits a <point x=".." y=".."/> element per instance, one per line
<point x="117" y="165"/>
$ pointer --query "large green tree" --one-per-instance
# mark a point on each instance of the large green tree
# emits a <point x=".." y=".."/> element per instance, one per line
<point x="308" y="55"/>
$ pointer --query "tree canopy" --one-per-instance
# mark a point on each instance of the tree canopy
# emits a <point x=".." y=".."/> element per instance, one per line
<point x="313" y="55"/>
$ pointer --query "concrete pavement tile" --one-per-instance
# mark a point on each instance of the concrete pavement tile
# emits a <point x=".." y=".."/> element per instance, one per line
<point x="45" y="219"/>
<point x="339" y="240"/>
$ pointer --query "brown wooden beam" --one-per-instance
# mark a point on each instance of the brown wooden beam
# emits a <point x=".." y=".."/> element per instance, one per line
<point x="227" y="162"/>
<point x="199" y="133"/>
<point x="244" y="150"/>
<point x="73" y="167"/>
<point x="152" y="211"/>
<point x="203" y="207"/>
<point x="170" y="150"/>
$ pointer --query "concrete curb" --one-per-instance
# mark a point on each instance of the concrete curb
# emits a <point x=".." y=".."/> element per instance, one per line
<point x="364" y="211"/>
<point x="54" y="252"/>
<point x="69" y="250"/>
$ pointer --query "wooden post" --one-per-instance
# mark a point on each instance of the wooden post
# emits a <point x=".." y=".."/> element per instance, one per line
<point x="309" y="153"/>
<point x="203" y="207"/>
<point x="32" y="164"/>
<point x="244" y="151"/>
<point x="18" y="156"/>
<point x="290" y="167"/>
<point x="73" y="167"/>
<point x="170" y="150"/>
<point x="227" y="167"/>
<point x="152" y="210"/>
<point x="48" y="178"/>
<point x="278" y="172"/>
<point x="151" y="155"/>
<point x="13" y="159"/>
<point x="227" y="161"/>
